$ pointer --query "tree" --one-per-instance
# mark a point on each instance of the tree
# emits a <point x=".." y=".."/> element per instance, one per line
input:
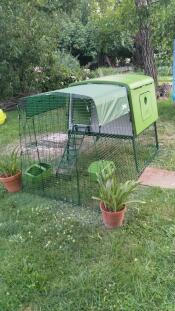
<point x="164" y="33"/>
<point x="29" y="58"/>
<point x="113" y="31"/>
<point x="147" y="50"/>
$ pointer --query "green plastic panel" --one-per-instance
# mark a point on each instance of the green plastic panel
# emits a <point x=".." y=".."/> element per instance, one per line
<point x="144" y="107"/>
<point x="131" y="81"/>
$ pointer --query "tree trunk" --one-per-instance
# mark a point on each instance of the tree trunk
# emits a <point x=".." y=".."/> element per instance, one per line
<point x="148" y="52"/>
<point x="145" y="38"/>
<point x="137" y="55"/>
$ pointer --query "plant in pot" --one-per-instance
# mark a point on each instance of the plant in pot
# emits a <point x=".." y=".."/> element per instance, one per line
<point x="10" y="174"/>
<point x="113" y="196"/>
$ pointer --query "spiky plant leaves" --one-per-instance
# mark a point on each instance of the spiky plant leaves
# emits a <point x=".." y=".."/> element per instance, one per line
<point x="9" y="164"/>
<point x="111" y="192"/>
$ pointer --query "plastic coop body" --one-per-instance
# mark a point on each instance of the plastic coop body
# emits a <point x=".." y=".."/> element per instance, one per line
<point x="140" y="92"/>
<point x="118" y="104"/>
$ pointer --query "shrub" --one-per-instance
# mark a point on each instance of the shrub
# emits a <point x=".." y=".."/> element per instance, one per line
<point x="65" y="69"/>
<point x="100" y="72"/>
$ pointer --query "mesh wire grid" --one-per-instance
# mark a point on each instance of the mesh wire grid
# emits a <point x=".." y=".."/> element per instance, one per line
<point x="61" y="140"/>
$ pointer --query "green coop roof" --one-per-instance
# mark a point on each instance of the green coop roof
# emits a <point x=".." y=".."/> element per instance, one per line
<point x="111" y="101"/>
<point x="131" y="80"/>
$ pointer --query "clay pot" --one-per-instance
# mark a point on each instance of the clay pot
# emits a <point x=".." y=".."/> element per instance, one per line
<point x="12" y="183"/>
<point x="112" y="219"/>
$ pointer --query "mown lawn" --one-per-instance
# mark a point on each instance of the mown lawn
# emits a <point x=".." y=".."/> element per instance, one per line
<point x="9" y="131"/>
<point x="56" y="257"/>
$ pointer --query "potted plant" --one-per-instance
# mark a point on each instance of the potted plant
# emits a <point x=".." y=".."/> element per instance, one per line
<point x="10" y="174"/>
<point x="113" y="196"/>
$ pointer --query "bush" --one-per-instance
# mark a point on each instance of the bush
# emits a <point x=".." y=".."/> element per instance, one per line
<point x="164" y="70"/>
<point x="65" y="69"/>
<point x="100" y="72"/>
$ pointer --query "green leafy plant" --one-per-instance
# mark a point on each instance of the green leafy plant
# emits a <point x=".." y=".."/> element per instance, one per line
<point x="112" y="193"/>
<point x="9" y="164"/>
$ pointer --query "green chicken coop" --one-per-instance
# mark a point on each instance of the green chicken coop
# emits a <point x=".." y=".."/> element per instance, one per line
<point x="69" y="135"/>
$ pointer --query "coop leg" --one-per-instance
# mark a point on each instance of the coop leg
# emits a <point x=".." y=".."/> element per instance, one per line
<point x="78" y="182"/>
<point x="36" y="144"/>
<point x="20" y="141"/>
<point x="68" y="144"/>
<point x="156" y="136"/>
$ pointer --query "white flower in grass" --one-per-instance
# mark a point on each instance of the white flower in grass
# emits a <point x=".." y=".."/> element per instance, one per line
<point x="17" y="238"/>
<point x="48" y="243"/>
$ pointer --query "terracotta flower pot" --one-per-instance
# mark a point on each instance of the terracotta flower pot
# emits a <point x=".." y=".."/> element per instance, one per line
<point x="112" y="219"/>
<point x="12" y="183"/>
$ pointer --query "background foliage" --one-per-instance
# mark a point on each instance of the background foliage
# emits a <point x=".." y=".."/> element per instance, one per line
<point x="45" y="44"/>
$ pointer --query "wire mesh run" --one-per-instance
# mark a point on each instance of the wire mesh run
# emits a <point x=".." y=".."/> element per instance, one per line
<point x="63" y="146"/>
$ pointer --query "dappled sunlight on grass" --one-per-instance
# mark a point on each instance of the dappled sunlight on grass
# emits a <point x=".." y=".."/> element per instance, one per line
<point x="57" y="256"/>
<point x="62" y="258"/>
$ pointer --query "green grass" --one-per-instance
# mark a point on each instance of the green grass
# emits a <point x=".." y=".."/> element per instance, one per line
<point x="9" y="130"/>
<point x="165" y="79"/>
<point x="58" y="257"/>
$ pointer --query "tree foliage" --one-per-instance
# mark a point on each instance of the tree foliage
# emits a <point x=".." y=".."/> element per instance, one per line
<point x="29" y="55"/>
<point x="164" y="32"/>
<point x="43" y="41"/>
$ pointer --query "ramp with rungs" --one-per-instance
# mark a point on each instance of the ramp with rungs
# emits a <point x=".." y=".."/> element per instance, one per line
<point x="68" y="161"/>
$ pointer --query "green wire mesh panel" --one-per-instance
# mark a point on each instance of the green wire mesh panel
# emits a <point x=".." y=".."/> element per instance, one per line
<point x="61" y="139"/>
<point x="146" y="147"/>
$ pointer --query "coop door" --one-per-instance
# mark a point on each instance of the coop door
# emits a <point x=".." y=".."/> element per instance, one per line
<point x="81" y="112"/>
<point x="145" y="105"/>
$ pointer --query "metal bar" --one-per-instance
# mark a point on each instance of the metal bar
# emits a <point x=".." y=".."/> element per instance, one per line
<point x="20" y="139"/>
<point x="103" y="135"/>
<point x="70" y="112"/>
<point x="156" y="136"/>
<point x="37" y="150"/>
<point x="77" y="175"/>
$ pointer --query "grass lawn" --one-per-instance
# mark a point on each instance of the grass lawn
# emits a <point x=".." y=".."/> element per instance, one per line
<point x="9" y="131"/>
<point x="55" y="257"/>
<point x="165" y="79"/>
